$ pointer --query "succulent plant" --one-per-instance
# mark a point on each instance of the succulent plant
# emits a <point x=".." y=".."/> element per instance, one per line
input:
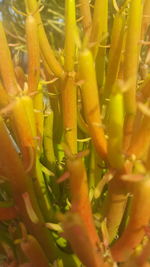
<point x="75" y="133"/>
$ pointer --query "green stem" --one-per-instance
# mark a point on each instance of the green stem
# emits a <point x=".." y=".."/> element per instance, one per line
<point x="99" y="25"/>
<point x="131" y="58"/>
<point x="115" y="53"/>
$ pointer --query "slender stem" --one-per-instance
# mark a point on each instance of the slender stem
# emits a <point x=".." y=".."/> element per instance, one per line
<point x="131" y="57"/>
<point x="20" y="76"/>
<point x="48" y="138"/>
<point x="41" y="192"/>
<point x="69" y="94"/>
<point x="69" y="106"/>
<point x="6" y="66"/>
<point x="33" y="53"/>
<point x="70" y="28"/>
<point x="99" y="25"/>
<point x="45" y="47"/>
<point x="115" y="130"/>
<point x="38" y="104"/>
<point x="87" y="18"/>
<point x="91" y="104"/>
<point x="146" y="18"/>
<point x="115" y="53"/>
<point x="4" y="98"/>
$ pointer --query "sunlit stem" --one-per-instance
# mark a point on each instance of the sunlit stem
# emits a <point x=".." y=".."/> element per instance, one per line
<point x="92" y="112"/>
<point x="99" y="25"/>
<point x="131" y="58"/>
<point x="115" y="53"/>
<point x="4" y="98"/>
<point x="70" y="26"/>
<point x="87" y="18"/>
<point x="146" y="18"/>
<point x="69" y="94"/>
<point x="45" y="47"/>
<point x="115" y="130"/>
<point x="6" y="66"/>
<point x="33" y="53"/>
<point x="20" y="76"/>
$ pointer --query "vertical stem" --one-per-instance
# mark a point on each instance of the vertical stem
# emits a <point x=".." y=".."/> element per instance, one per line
<point x="146" y="18"/>
<point x="80" y="199"/>
<point x="69" y="105"/>
<point x="131" y="57"/>
<point x="115" y="130"/>
<point x="70" y="27"/>
<point x="20" y="76"/>
<point x="69" y="96"/>
<point x="48" y="138"/>
<point x="33" y="53"/>
<point x="45" y="47"/>
<point x="91" y="103"/>
<point x="4" y="98"/>
<point x="6" y="65"/>
<point x="38" y="103"/>
<point x="87" y="18"/>
<point x="99" y="25"/>
<point x="117" y="38"/>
